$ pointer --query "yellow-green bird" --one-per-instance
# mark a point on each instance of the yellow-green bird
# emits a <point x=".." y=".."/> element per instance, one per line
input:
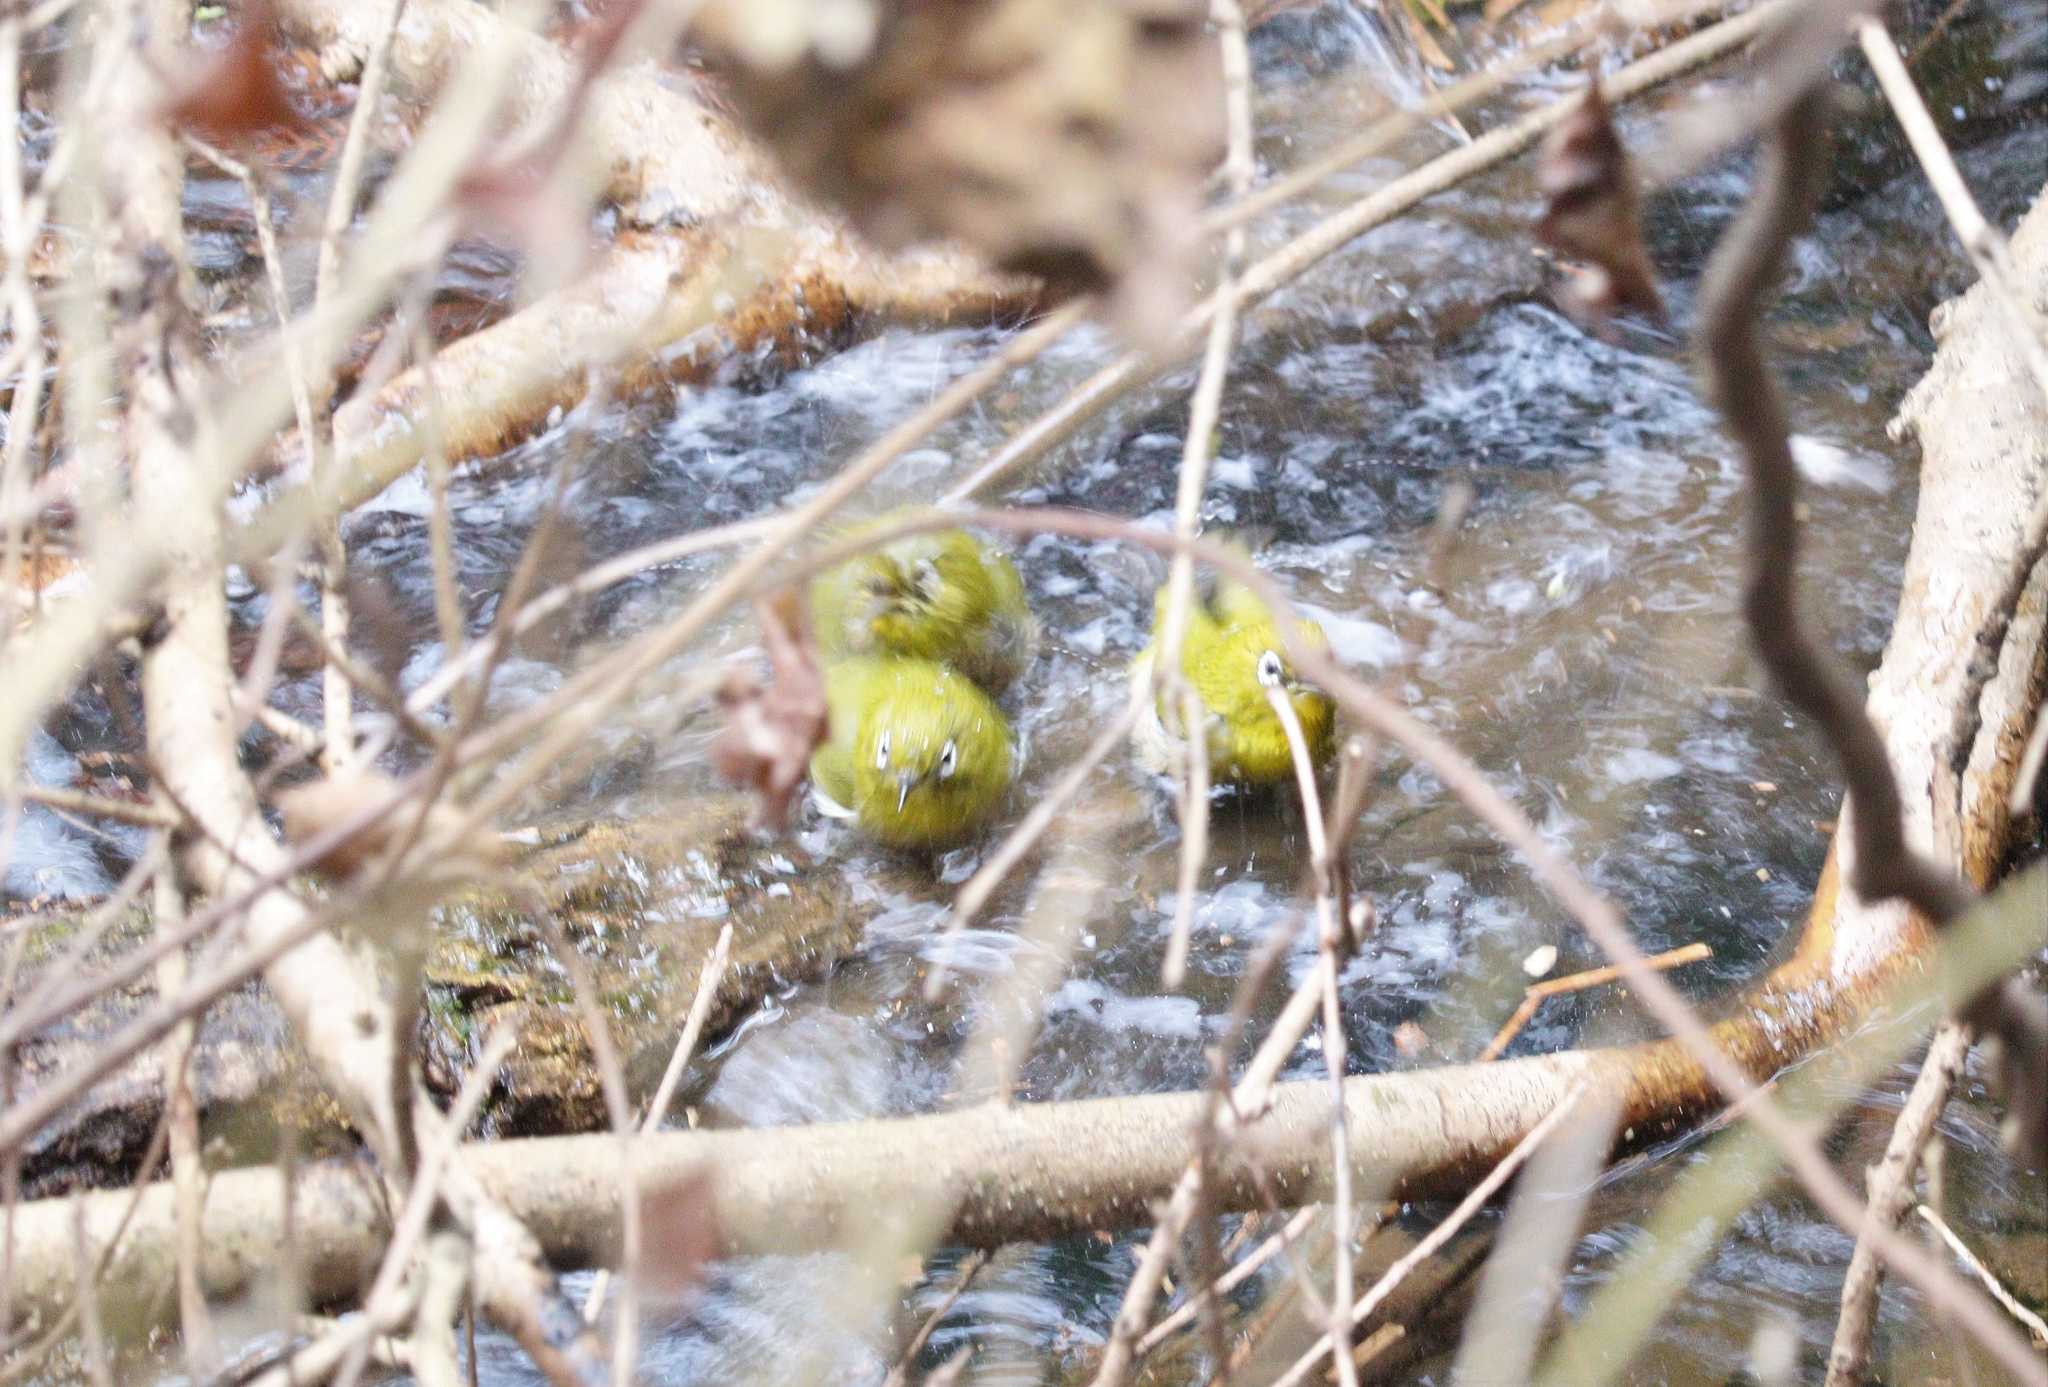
<point x="917" y="755"/>
<point x="1231" y="654"/>
<point x="942" y="595"/>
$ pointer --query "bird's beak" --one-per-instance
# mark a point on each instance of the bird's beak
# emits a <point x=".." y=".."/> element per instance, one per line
<point x="903" y="783"/>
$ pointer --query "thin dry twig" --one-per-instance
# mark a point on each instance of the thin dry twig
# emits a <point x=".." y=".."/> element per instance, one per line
<point x="1536" y="994"/>
<point x="1021" y="839"/>
<point x="1438" y="1236"/>
<point x="78" y="802"/>
<point x="1330" y="947"/>
<point x="1981" y="240"/>
<point x="1194" y="843"/>
<point x="181" y="1122"/>
<point x="1198" y="449"/>
<point x="1238" y="1274"/>
<point x="1238" y="1104"/>
<point x="385" y="1306"/>
<point x="2037" y="1328"/>
<point x="1524" y="1274"/>
<point x="693" y="1029"/>
<point x="1890" y="1186"/>
<point x="899" y="1374"/>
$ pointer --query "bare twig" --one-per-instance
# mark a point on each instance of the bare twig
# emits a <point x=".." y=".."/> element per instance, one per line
<point x="77" y="802"/>
<point x="181" y="1121"/>
<point x="693" y="1028"/>
<point x="1194" y="842"/>
<point x="383" y="1307"/>
<point x="1437" y="1237"/>
<point x="1525" y="1271"/>
<point x="1330" y="946"/>
<point x="1240" y="1273"/>
<point x="970" y="1268"/>
<point x="1021" y="839"/>
<point x="612" y="1081"/>
<point x="1243" y="1102"/>
<point x="2037" y="1329"/>
<point x="1536" y="994"/>
<point x="1198" y="450"/>
<point x="1890" y="1186"/>
<point x="1980" y="239"/>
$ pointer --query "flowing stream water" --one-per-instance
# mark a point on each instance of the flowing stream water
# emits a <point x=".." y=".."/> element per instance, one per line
<point x="1581" y="644"/>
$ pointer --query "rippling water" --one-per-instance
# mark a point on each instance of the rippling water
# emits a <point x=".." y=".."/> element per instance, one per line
<point x="1581" y="645"/>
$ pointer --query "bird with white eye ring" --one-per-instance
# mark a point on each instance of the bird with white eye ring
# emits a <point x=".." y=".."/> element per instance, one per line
<point x="941" y="595"/>
<point x="1231" y="654"/>
<point x="916" y="755"/>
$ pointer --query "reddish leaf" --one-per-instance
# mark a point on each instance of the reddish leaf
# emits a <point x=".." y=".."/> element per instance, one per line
<point x="236" y="95"/>
<point x="678" y="1235"/>
<point x="1593" y="213"/>
<point x="772" y="729"/>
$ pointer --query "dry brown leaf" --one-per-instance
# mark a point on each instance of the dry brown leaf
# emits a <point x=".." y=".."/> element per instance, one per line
<point x="1593" y="214"/>
<point x="235" y="95"/>
<point x="771" y="729"/>
<point x="1068" y="139"/>
<point x="319" y="807"/>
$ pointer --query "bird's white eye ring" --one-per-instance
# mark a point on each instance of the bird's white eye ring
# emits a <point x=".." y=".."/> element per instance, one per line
<point x="1270" y="669"/>
<point x="949" y="760"/>
<point x="882" y="752"/>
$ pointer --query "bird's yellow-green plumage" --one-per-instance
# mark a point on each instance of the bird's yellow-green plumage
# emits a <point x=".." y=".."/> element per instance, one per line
<point x="942" y="596"/>
<point x="916" y="754"/>
<point x="1231" y="653"/>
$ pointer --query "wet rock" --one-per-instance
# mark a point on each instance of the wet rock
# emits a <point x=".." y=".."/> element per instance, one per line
<point x="642" y="903"/>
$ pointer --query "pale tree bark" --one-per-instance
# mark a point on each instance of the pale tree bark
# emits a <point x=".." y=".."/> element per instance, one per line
<point x="1980" y="420"/>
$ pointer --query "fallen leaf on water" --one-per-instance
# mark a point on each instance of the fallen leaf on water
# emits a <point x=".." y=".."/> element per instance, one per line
<point x="1592" y="214"/>
<point x="1410" y="1040"/>
<point x="771" y="729"/>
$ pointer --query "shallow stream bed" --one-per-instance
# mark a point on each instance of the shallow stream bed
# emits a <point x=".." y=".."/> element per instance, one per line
<point x="1581" y="644"/>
